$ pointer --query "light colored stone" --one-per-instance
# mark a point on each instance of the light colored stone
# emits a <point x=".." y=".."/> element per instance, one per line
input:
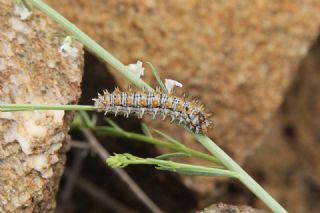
<point x="225" y="208"/>
<point x="32" y="143"/>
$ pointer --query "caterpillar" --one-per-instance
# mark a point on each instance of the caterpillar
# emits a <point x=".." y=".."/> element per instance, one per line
<point x="181" y="110"/>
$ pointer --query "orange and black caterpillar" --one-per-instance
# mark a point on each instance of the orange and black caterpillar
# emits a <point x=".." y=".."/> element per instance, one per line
<point x="187" y="113"/>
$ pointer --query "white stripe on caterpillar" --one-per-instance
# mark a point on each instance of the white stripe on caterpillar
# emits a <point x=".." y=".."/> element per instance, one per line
<point x="188" y="113"/>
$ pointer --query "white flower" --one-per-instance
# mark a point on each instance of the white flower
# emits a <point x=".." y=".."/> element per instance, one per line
<point x="137" y="68"/>
<point x="170" y="84"/>
<point x="67" y="50"/>
<point x="22" y="11"/>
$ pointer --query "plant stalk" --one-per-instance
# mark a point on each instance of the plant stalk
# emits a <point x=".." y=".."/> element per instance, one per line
<point x="244" y="177"/>
<point x="24" y="107"/>
<point x="155" y="141"/>
<point x="90" y="44"/>
<point x="123" y="160"/>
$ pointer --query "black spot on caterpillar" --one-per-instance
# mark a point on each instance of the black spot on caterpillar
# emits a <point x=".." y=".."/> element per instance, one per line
<point x="188" y="113"/>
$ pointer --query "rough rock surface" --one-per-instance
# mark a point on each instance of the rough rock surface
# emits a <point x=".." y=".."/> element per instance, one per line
<point x="224" y="208"/>
<point x="32" y="144"/>
<point x="287" y="162"/>
<point x="290" y="152"/>
<point x="238" y="57"/>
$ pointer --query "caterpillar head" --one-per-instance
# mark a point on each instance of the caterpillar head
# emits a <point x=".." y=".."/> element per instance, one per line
<point x="204" y="123"/>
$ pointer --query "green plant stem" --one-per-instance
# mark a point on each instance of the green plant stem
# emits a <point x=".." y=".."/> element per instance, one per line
<point x="243" y="175"/>
<point x="24" y="107"/>
<point x="205" y="141"/>
<point x="155" y="141"/>
<point x="191" y="169"/>
<point x="90" y="44"/>
<point x="123" y="160"/>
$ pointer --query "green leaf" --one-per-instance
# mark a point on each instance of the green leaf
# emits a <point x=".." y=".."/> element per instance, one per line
<point x="195" y="171"/>
<point x="170" y="139"/>
<point x="191" y="169"/>
<point x="77" y="122"/>
<point x="94" y="120"/>
<point x="123" y="160"/>
<point x="146" y="130"/>
<point x="173" y="155"/>
<point x="90" y="123"/>
<point x="25" y="3"/>
<point x="82" y="120"/>
<point x="156" y="74"/>
<point x="109" y="130"/>
<point x="113" y="124"/>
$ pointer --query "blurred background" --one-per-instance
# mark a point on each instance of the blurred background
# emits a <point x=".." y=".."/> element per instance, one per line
<point x="255" y="66"/>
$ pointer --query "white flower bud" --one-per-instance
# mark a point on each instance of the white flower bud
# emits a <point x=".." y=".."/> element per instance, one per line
<point x="170" y="84"/>
<point x="137" y="68"/>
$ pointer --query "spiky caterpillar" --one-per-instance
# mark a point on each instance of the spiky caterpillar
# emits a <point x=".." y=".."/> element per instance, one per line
<point x="187" y="113"/>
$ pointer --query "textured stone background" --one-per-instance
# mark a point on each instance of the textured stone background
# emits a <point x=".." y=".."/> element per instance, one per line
<point x="32" y="144"/>
<point x="288" y="162"/>
<point x="238" y="57"/>
<point x="223" y="208"/>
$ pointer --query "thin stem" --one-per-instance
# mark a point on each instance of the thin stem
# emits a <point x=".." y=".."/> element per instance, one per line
<point x="155" y="141"/>
<point x="90" y="44"/>
<point x="100" y="195"/>
<point x="244" y="177"/>
<point x="104" y="154"/>
<point x="123" y="160"/>
<point x="24" y="107"/>
<point x="191" y="169"/>
<point x="157" y="76"/>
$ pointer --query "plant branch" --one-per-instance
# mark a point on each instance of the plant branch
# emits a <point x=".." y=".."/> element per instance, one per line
<point x="123" y="160"/>
<point x="90" y="44"/>
<point x="30" y="107"/>
<point x="104" y="154"/>
<point x="244" y="177"/>
<point x="105" y="199"/>
<point x="131" y="135"/>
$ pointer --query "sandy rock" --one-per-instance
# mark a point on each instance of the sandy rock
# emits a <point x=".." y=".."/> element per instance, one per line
<point x="238" y="57"/>
<point x="288" y="162"/>
<point x="32" y="70"/>
<point x="224" y="208"/>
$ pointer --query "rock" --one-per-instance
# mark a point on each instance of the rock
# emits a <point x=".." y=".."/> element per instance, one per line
<point x="32" y="144"/>
<point x="288" y="162"/>
<point x="224" y="208"/>
<point x="237" y="57"/>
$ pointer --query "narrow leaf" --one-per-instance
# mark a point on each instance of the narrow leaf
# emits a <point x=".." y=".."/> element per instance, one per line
<point x="113" y="124"/>
<point x="212" y="172"/>
<point x="173" y="155"/>
<point x="146" y="130"/>
<point x="107" y="130"/>
<point x="157" y="76"/>
<point x="94" y="120"/>
<point x="170" y="139"/>
<point x="85" y="118"/>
